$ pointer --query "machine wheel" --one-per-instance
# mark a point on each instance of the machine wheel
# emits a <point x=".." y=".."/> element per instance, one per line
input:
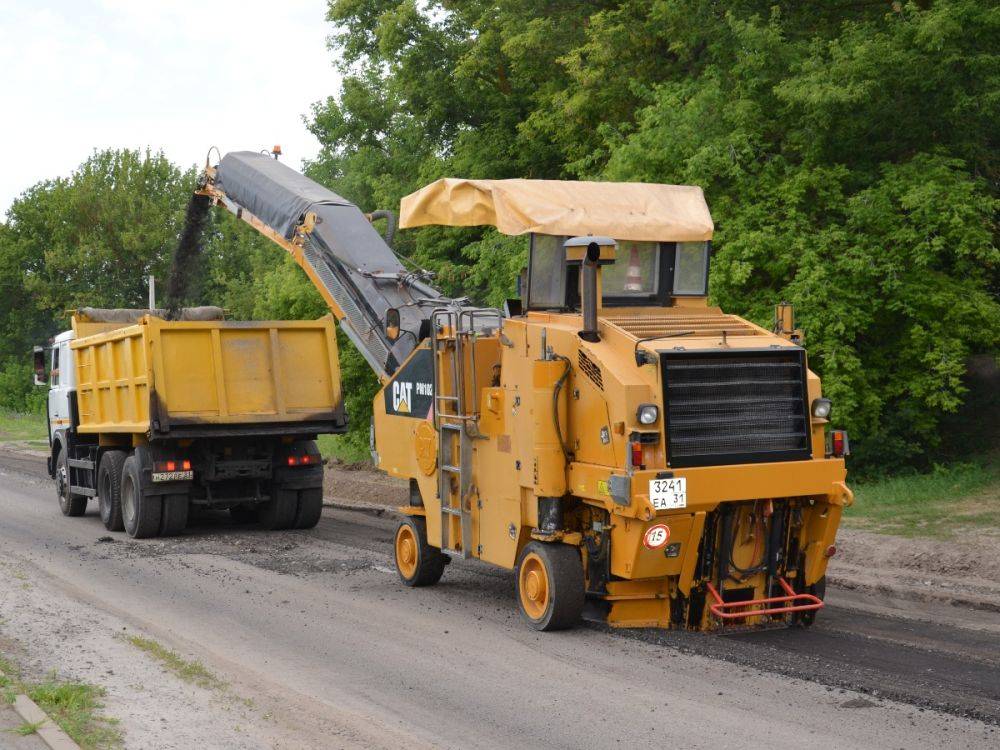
<point x="805" y="619"/>
<point x="279" y="512"/>
<point x="141" y="513"/>
<point x="109" y="490"/>
<point x="310" y="508"/>
<point x="417" y="562"/>
<point x="550" y="587"/>
<point x="174" y="517"/>
<point x="244" y="513"/>
<point x="69" y="504"/>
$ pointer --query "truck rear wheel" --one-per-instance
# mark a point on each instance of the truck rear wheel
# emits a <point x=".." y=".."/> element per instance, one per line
<point x="69" y="504"/>
<point x="279" y="512"/>
<point x="310" y="508"/>
<point x="417" y="562"/>
<point x="550" y="587"/>
<point x="174" y="517"/>
<point x="141" y="513"/>
<point x="109" y="490"/>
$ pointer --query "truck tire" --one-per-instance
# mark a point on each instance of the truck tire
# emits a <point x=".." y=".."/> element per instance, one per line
<point x="279" y="512"/>
<point x="69" y="504"/>
<point x="550" y="587"/>
<point x="174" y="517"/>
<point x="417" y="562"/>
<point x="141" y="513"/>
<point x="109" y="490"/>
<point x="310" y="508"/>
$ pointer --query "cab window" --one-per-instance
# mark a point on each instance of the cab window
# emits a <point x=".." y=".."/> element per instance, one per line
<point x="691" y="269"/>
<point x="55" y="366"/>
<point x="635" y="272"/>
<point x="643" y="273"/>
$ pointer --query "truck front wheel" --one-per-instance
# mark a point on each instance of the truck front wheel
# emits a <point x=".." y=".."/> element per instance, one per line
<point x="141" y="513"/>
<point x="109" y="490"/>
<point x="69" y="504"/>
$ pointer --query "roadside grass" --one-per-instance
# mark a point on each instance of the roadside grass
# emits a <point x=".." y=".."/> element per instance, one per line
<point x="74" y="706"/>
<point x="337" y="447"/>
<point x="28" y="430"/>
<point x="27" y="728"/>
<point x="942" y="503"/>
<point x="189" y="671"/>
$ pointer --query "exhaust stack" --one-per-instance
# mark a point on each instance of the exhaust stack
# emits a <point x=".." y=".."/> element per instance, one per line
<point x="591" y="253"/>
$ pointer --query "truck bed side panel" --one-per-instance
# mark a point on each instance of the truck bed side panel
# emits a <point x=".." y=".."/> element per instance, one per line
<point x="163" y="375"/>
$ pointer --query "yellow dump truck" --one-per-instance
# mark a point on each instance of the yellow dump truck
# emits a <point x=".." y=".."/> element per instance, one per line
<point x="151" y="416"/>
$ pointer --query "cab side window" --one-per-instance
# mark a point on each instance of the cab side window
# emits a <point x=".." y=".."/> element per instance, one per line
<point x="55" y="367"/>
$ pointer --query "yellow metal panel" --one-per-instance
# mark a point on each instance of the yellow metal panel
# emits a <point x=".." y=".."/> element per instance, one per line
<point x="313" y="389"/>
<point x="214" y="371"/>
<point x="186" y="386"/>
<point x="246" y="366"/>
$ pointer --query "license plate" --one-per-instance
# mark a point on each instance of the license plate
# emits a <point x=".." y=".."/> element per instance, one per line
<point x="173" y="476"/>
<point x="667" y="494"/>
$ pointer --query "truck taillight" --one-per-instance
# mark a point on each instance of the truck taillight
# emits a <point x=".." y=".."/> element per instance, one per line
<point x="636" y="455"/>
<point x="172" y="465"/>
<point x="305" y="460"/>
<point x="839" y="446"/>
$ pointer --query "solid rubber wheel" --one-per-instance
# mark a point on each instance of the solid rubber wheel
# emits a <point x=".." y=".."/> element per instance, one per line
<point x="309" y="508"/>
<point x="417" y="562"/>
<point x="141" y="513"/>
<point x="109" y="490"/>
<point x="550" y="587"/>
<point x="69" y="504"/>
<point x="174" y="517"/>
<point x="279" y="512"/>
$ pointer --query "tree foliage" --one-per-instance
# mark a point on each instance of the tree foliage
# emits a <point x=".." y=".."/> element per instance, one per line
<point x="849" y="153"/>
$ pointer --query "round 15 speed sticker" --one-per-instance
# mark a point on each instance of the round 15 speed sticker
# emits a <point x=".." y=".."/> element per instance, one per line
<point x="656" y="536"/>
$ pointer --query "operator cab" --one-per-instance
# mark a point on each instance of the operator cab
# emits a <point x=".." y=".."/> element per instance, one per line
<point x="644" y="274"/>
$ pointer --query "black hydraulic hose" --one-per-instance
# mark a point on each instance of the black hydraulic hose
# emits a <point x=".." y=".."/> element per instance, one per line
<point x="390" y="223"/>
<point x="555" y="404"/>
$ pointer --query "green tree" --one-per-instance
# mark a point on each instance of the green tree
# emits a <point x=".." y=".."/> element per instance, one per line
<point x="848" y="152"/>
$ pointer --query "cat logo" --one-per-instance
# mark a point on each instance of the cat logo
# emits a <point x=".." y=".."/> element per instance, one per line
<point x="402" y="397"/>
<point x="411" y="393"/>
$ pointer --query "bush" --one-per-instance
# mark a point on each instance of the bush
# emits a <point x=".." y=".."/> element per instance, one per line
<point x="18" y="393"/>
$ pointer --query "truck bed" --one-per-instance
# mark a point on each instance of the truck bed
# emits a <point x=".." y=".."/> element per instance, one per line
<point x="185" y="379"/>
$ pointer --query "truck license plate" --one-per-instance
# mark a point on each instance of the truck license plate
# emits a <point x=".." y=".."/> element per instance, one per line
<point x="173" y="476"/>
<point x="667" y="494"/>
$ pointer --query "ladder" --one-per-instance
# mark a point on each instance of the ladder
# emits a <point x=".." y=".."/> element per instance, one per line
<point x="453" y="334"/>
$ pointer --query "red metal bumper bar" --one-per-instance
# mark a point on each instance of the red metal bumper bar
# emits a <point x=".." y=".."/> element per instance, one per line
<point x="792" y="602"/>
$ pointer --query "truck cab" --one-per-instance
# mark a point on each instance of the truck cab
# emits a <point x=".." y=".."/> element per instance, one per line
<point x="62" y="387"/>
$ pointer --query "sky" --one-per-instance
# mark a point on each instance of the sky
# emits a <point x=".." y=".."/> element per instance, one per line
<point x="176" y="75"/>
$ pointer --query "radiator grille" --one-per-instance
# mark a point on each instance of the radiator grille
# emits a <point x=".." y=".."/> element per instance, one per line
<point x="728" y="407"/>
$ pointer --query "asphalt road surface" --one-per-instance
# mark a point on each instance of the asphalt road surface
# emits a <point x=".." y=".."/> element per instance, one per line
<point x="325" y="648"/>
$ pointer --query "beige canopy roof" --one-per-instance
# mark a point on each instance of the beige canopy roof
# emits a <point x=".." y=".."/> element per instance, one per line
<point x="623" y="210"/>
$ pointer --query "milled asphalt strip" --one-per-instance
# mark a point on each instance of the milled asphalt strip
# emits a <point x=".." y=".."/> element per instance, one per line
<point x="48" y="731"/>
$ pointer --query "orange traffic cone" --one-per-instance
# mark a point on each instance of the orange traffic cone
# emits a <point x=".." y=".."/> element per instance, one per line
<point x="633" y="280"/>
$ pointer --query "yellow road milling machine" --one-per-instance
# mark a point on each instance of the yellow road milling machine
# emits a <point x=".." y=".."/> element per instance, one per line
<point x="631" y="452"/>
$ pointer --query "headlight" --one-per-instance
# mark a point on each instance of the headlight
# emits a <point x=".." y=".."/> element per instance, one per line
<point x="821" y="408"/>
<point x="648" y="413"/>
